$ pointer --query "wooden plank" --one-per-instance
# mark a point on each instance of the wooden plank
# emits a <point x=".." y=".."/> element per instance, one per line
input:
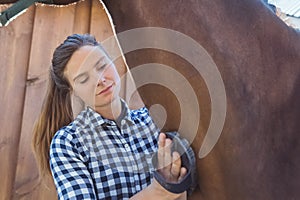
<point x="82" y="17"/>
<point x="102" y="28"/>
<point x="15" y="41"/>
<point x="51" y="26"/>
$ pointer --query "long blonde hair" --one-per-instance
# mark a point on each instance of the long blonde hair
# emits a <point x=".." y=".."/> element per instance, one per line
<point x="56" y="111"/>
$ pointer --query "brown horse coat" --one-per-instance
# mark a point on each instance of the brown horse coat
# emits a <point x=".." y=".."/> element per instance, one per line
<point x="258" y="56"/>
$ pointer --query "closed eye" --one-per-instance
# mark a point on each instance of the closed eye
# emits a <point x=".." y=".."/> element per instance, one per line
<point x="82" y="78"/>
<point x="100" y="64"/>
<point x="101" y="67"/>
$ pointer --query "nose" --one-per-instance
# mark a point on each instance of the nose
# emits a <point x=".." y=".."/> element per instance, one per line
<point x="101" y="80"/>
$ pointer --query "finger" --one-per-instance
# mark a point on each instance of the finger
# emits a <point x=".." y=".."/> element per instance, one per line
<point x="183" y="172"/>
<point x="176" y="165"/>
<point x="160" y="153"/>
<point x="167" y="155"/>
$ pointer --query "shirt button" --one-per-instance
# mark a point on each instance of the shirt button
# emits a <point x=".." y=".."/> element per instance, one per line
<point x="126" y="146"/>
<point x="123" y="122"/>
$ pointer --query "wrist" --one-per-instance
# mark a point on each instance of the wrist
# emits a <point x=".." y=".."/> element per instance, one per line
<point x="161" y="191"/>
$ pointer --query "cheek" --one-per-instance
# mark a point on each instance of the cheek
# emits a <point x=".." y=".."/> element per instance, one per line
<point x="115" y="74"/>
<point x="86" y="92"/>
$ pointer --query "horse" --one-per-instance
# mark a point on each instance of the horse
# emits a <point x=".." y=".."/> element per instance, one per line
<point x="257" y="56"/>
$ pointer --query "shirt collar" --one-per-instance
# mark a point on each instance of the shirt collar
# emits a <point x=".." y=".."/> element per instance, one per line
<point x="127" y="115"/>
<point x="90" y="116"/>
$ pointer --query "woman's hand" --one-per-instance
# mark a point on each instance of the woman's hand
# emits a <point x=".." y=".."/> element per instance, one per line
<point x="169" y="166"/>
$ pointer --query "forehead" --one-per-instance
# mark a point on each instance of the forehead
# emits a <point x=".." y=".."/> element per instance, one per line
<point x="83" y="60"/>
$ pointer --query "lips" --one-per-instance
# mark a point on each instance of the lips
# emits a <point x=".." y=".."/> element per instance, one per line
<point x="105" y="90"/>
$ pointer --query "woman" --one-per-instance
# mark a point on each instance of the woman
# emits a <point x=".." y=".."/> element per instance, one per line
<point x="99" y="149"/>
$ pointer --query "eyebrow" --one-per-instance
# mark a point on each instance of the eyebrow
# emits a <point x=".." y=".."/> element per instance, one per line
<point x="84" y="73"/>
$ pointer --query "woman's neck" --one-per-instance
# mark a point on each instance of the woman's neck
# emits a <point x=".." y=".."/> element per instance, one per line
<point x="110" y="111"/>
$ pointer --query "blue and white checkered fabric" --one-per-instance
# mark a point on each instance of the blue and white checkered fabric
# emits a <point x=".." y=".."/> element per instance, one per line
<point x="93" y="158"/>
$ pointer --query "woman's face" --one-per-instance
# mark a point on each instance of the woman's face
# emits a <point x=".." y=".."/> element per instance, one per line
<point x="93" y="77"/>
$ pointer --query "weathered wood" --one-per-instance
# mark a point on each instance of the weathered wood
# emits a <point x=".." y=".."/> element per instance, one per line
<point x="15" y="41"/>
<point x="82" y="17"/>
<point x="51" y="26"/>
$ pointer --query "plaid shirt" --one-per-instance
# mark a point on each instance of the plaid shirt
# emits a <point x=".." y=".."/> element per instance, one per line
<point x="94" y="158"/>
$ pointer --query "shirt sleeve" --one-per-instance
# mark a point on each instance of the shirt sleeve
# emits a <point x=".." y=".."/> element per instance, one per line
<point x="70" y="173"/>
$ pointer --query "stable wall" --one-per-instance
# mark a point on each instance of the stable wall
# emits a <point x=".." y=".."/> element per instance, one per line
<point x="27" y="44"/>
